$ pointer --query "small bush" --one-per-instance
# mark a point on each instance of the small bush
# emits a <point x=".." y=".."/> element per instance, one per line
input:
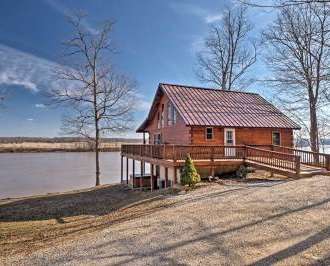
<point x="242" y="172"/>
<point x="189" y="174"/>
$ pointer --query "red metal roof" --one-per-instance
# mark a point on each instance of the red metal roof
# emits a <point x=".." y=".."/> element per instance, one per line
<point x="214" y="107"/>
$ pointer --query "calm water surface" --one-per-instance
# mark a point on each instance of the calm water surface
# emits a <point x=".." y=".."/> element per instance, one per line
<point x="24" y="174"/>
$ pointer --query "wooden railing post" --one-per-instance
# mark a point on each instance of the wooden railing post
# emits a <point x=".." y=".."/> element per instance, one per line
<point x="174" y="155"/>
<point x="164" y="151"/>
<point x="297" y="162"/>
<point x="327" y="162"/>
<point x="212" y="154"/>
<point x="212" y="161"/>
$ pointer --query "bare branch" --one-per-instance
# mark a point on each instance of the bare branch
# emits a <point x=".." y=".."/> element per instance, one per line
<point x="229" y="53"/>
<point x="100" y="100"/>
<point x="300" y="61"/>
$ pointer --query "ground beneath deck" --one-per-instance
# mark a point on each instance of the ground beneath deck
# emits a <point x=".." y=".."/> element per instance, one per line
<point x="260" y="223"/>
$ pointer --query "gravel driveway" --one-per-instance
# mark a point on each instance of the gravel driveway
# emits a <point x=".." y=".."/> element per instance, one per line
<point x="284" y="223"/>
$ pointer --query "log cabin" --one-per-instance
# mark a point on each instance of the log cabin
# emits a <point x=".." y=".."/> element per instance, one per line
<point x="221" y="130"/>
<point x="190" y="115"/>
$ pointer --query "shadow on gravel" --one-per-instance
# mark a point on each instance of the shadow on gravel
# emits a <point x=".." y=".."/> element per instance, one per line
<point x="296" y="249"/>
<point x="214" y="236"/>
<point x="95" y="202"/>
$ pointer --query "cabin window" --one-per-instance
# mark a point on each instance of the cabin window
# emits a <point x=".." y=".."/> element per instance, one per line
<point x="276" y="138"/>
<point x="157" y="139"/>
<point x="162" y="122"/>
<point x="158" y="120"/>
<point x="209" y="133"/>
<point x="174" y="115"/>
<point x="171" y="114"/>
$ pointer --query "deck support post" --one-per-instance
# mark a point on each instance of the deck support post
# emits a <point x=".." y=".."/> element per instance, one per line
<point x="212" y="171"/>
<point x="166" y="177"/>
<point x="126" y="170"/>
<point x="327" y="162"/>
<point x="175" y="176"/>
<point x="133" y="173"/>
<point x="121" y="169"/>
<point x="151" y="177"/>
<point x="212" y="161"/>
<point x="141" y="173"/>
<point x="144" y="138"/>
<point x="297" y="161"/>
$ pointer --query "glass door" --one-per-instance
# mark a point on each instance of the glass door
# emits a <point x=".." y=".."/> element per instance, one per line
<point x="230" y="141"/>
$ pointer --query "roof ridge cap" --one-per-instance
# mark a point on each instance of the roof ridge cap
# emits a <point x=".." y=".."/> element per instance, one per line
<point x="207" y="88"/>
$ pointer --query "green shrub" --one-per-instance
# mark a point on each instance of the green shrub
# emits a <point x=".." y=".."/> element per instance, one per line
<point x="189" y="175"/>
<point x="242" y="172"/>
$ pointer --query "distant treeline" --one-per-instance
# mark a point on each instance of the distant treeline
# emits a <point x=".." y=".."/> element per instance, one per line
<point x="64" y="140"/>
<point x="305" y="142"/>
<point x="68" y="144"/>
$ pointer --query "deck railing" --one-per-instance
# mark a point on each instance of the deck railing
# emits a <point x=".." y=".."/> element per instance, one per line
<point x="272" y="158"/>
<point x="260" y="154"/>
<point x="307" y="157"/>
<point x="272" y="155"/>
<point x="179" y="152"/>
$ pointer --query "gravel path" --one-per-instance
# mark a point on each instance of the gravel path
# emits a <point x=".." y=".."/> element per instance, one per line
<point x="284" y="223"/>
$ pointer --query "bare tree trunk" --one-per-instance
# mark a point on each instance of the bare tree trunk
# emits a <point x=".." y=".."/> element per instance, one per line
<point x="97" y="160"/>
<point x="97" y="130"/>
<point x="314" y="136"/>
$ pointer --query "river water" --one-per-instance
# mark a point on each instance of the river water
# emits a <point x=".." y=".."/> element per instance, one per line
<point x="24" y="174"/>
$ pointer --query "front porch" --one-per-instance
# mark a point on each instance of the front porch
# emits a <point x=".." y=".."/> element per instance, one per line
<point x="167" y="160"/>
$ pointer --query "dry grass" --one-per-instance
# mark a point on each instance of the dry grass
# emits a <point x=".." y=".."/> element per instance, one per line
<point x="35" y="222"/>
<point x="56" y="146"/>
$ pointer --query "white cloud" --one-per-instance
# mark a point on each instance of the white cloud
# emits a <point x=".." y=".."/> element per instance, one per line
<point x="39" y="105"/>
<point x="62" y="9"/>
<point x="10" y="78"/>
<point x="24" y="69"/>
<point x="197" y="44"/>
<point x="142" y="103"/>
<point x="29" y="119"/>
<point x="213" y="18"/>
<point x="32" y="72"/>
<point x="206" y="15"/>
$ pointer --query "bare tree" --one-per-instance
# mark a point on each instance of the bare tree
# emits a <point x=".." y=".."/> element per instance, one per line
<point x="100" y="100"/>
<point x="229" y="52"/>
<point x="281" y="3"/>
<point x="299" y="57"/>
<point x="324" y="131"/>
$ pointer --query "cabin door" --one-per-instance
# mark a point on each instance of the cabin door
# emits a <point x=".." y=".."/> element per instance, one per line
<point x="230" y="141"/>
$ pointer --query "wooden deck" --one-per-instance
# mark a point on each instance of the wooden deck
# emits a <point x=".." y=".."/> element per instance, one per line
<point x="277" y="159"/>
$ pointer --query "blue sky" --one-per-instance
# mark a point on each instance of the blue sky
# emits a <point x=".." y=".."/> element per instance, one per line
<point x="157" y="41"/>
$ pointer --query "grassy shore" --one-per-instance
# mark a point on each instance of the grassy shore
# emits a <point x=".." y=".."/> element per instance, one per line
<point x="35" y="222"/>
<point x="59" y="144"/>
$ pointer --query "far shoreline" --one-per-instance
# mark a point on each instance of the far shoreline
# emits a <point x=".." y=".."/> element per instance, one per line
<point x="3" y="151"/>
<point x="64" y="144"/>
